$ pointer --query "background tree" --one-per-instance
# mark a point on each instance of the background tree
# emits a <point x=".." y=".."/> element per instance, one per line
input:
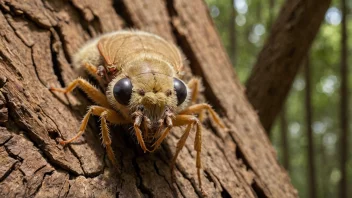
<point x="325" y="61"/>
<point x="344" y="104"/>
<point x="310" y="148"/>
<point x="232" y="33"/>
<point x="278" y="62"/>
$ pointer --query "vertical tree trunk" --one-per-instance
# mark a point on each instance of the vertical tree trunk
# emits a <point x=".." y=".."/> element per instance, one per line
<point x="277" y="64"/>
<point x="37" y="41"/>
<point x="232" y="33"/>
<point x="344" y="107"/>
<point x="284" y="139"/>
<point x="324" y="176"/>
<point x="310" y="151"/>
<point x="271" y="14"/>
<point x="283" y="116"/>
<point x="259" y="11"/>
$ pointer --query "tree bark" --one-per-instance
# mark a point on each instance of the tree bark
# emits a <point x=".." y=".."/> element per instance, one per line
<point x="37" y="41"/>
<point x="277" y="64"/>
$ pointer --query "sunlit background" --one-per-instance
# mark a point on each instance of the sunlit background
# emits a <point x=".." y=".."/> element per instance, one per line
<point x="252" y="19"/>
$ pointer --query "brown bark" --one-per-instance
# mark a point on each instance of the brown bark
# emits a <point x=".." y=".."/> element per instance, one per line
<point x="344" y="117"/>
<point x="283" y="115"/>
<point x="278" y="62"/>
<point x="37" y="40"/>
<point x="310" y="151"/>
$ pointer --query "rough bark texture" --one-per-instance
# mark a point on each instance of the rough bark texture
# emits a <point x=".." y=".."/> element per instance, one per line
<point x="37" y="40"/>
<point x="277" y="64"/>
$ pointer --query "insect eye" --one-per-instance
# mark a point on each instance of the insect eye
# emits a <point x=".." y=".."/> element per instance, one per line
<point x="181" y="91"/>
<point x="123" y="91"/>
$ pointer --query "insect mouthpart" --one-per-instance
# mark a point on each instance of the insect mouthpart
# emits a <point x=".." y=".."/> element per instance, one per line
<point x="152" y="124"/>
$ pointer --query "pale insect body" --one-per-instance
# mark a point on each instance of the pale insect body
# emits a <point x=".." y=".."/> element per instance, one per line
<point x="131" y="53"/>
<point x="140" y="71"/>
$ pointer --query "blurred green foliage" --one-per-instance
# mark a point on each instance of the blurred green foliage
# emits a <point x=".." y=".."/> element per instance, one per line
<point x="251" y="17"/>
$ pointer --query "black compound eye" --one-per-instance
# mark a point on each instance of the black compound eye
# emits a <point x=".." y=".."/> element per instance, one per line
<point x="123" y="91"/>
<point x="181" y="91"/>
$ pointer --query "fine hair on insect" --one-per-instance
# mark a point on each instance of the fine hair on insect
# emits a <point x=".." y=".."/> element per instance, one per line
<point x="139" y="73"/>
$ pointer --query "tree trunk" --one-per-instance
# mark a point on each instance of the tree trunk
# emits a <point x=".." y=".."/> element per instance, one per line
<point x="37" y="41"/>
<point x="278" y="62"/>
<point x="271" y="14"/>
<point x="232" y="33"/>
<point x="284" y="139"/>
<point x="344" y="107"/>
<point x="310" y="149"/>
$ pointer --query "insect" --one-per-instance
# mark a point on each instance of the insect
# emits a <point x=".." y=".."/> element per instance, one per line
<point x="140" y="73"/>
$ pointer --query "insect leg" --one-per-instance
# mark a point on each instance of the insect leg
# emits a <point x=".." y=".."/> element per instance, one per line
<point x="179" y="146"/>
<point x="105" y="114"/>
<point x="198" y="108"/>
<point x="113" y="117"/>
<point x="106" y="139"/>
<point x="164" y="134"/>
<point x="194" y="84"/>
<point x="98" y="73"/>
<point x="92" y="92"/>
<point x="82" y="128"/>
<point x="91" y="69"/>
<point x="136" y="125"/>
<point x="146" y="123"/>
<point x="110" y="115"/>
<point x="189" y="120"/>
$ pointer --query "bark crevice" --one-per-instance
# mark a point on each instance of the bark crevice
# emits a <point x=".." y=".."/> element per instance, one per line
<point x="33" y="194"/>
<point x="140" y="185"/>
<point x="54" y="57"/>
<point x="258" y="191"/>
<point x="13" y="166"/>
<point x="122" y="11"/>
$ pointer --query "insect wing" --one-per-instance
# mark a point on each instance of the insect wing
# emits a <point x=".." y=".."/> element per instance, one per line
<point x="122" y="47"/>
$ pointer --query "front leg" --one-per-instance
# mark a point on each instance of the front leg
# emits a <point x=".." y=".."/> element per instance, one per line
<point x="93" y="93"/>
<point x="195" y="85"/>
<point x="138" y="118"/>
<point x="198" y="108"/>
<point x="189" y="120"/>
<point x="105" y="115"/>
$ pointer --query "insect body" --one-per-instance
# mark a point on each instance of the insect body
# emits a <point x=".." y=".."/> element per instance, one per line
<point x="140" y="72"/>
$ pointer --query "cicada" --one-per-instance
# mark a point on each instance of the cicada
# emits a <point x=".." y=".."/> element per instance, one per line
<point x="140" y="76"/>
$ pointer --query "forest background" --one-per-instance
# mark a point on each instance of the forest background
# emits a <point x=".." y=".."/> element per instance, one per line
<point x="244" y="26"/>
